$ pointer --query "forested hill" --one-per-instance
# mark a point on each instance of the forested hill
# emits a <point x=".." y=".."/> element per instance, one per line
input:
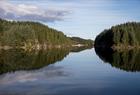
<point x="120" y="36"/>
<point x="28" y="34"/>
<point x="77" y="40"/>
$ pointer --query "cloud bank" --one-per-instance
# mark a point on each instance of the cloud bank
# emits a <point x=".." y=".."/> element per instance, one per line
<point x="26" y="12"/>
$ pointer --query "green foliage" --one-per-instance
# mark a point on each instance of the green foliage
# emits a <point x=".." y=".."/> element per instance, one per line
<point x="123" y="35"/>
<point x="29" y="33"/>
<point x="78" y="40"/>
<point x="104" y="39"/>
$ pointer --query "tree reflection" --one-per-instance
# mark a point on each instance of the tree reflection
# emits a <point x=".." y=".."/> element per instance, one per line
<point x="16" y="59"/>
<point x="128" y="60"/>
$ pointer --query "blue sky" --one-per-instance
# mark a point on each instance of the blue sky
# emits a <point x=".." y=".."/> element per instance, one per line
<point x="83" y="18"/>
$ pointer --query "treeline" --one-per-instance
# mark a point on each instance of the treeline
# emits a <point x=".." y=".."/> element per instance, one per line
<point x="29" y="34"/>
<point x="120" y="36"/>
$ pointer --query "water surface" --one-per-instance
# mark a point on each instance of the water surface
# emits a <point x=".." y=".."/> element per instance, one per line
<point x="68" y="72"/>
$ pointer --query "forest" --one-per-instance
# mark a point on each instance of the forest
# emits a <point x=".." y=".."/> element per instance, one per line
<point x="32" y="34"/>
<point x="125" y="35"/>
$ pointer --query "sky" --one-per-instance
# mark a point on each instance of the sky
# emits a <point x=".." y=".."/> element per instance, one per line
<point x="82" y="18"/>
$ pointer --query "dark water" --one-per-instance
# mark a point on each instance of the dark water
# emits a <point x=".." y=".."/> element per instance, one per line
<point x="69" y="72"/>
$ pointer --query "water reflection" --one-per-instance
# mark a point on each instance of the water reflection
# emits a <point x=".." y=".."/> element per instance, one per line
<point x="32" y="76"/>
<point x="13" y="60"/>
<point x="128" y="60"/>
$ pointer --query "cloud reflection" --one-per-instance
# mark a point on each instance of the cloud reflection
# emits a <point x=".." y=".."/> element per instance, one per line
<point x="51" y="71"/>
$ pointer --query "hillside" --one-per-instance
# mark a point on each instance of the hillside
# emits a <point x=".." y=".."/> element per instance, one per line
<point x="77" y="40"/>
<point x="31" y="35"/>
<point x="120" y="36"/>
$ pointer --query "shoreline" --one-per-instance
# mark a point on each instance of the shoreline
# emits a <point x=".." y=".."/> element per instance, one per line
<point x="45" y="47"/>
<point x="120" y="48"/>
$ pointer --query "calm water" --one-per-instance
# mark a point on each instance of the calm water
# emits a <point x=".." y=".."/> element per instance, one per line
<point x="69" y="72"/>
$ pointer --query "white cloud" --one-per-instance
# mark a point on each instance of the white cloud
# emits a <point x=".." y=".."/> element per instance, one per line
<point x="30" y="12"/>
